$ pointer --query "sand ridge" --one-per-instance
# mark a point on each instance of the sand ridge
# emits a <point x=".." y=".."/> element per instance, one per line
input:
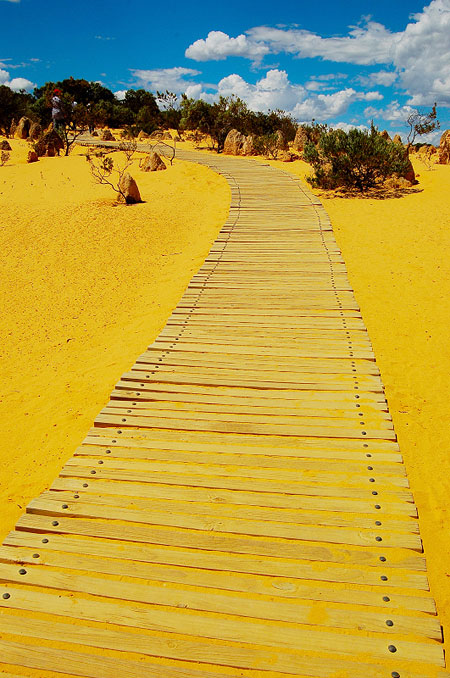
<point x="86" y="285"/>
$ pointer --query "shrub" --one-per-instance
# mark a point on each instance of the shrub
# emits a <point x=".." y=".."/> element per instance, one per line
<point x="267" y="145"/>
<point x="355" y="159"/>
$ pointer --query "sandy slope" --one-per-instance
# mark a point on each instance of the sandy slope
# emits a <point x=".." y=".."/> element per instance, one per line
<point x="85" y="286"/>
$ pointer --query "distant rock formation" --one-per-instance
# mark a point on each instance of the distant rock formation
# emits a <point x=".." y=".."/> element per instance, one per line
<point x="444" y="149"/>
<point x="32" y="156"/>
<point x="129" y="189"/>
<point x="282" y="143"/>
<point x="49" y="144"/>
<point x="385" y="135"/>
<point x="23" y="128"/>
<point x="234" y="143"/>
<point x="153" y="163"/>
<point x="107" y="135"/>
<point x="35" y="131"/>
<point x="300" y="139"/>
<point x="397" y="139"/>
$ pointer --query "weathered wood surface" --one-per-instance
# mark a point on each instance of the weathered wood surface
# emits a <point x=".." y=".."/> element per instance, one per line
<point x="240" y="507"/>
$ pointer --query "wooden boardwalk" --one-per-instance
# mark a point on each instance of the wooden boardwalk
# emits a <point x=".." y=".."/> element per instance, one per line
<point x="240" y="507"/>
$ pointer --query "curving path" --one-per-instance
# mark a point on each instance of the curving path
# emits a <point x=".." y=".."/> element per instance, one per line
<point x="240" y="507"/>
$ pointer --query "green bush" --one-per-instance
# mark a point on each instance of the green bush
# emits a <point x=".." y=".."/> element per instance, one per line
<point x="355" y="159"/>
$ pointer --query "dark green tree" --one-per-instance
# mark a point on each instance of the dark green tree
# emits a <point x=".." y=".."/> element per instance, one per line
<point x="13" y="105"/>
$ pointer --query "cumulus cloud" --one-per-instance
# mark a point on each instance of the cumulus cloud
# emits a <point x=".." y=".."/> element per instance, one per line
<point x="274" y="90"/>
<point x="368" y="44"/>
<point x="120" y="94"/>
<point x="218" y="45"/>
<point x="16" y="84"/>
<point x="173" y="79"/>
<point x="422" y="56"/>
<point x="383" y="78"/>
<point x="325" y="106"/>
<point x="348" y="126"/>
<point x="393" y="112"/>
<point x="419" y="55"/>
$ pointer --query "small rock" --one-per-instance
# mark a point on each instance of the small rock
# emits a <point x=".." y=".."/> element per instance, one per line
<point x="32" y="156"/>
<point x="12" y="129"/>
<point x="23" y="128"/>
<point x="153" y="163"/>
<point x="142" y="135"/>
<point x="35" y="131"/>
<point x="5" y="145"/>
<point x="107" y="135"/>
<point x="94" y="133"/>
<point x="166" y="136"/>
<point x="129" y="189"/>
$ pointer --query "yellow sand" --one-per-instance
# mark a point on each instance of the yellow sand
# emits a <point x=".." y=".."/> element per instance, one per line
<point x="88" y="285"/>
<point x="85" y="286"/>
<point x="397" y="255"/>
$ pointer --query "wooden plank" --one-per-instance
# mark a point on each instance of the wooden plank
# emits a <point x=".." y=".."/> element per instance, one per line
<point x="285" y="577"/>
<point x="92" y="666"/>
<point x="266" y="417"/>
<point x="167" y="516"/>
<point x="250" y="395"/>
<point x="384" y="450"/>
<point x="243" y="427"/>
<point x="138" y="488"/>
<point x="334" y="519"/>
<point x="202" y="599"/>
<point x="190" y="622"/>
<point x="211" y="541"/>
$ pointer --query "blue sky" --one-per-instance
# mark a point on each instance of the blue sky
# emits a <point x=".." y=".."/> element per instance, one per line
<point x="339" y="62"/>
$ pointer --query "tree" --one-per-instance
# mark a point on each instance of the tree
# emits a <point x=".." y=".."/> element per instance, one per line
<point x="171" y="114"/>
<point x="104" y="170"/>
<point x="13" y="105"/>
<point x="421" y="123"/>
<point x="356" y="159"/>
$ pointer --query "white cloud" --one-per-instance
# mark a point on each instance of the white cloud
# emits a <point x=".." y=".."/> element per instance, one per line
<point x="347" y="127"/>
<point x="218" y="45"/>
<point x="393" y="112"/>
<point x="275" y="90"/>
<point x="172" y="79"/>
<point x="16" y="84"/>
<point x="422" y="56"/>
<point x="419" y="54"/>
<point x="383" y="78"/>
<point x="369" y="44"/>
<point x="325" y="106"/>
<point x="120" y="94"/>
